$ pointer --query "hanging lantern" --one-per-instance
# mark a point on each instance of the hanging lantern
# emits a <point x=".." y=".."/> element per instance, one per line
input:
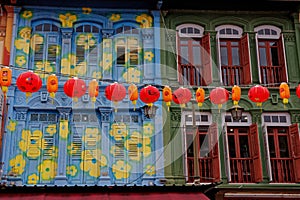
<point x="52" y="85"/>
<point x="167" y="96"/>
<point x="298" y="91"/>
<point x="115" y="92"/>
<point x="75" y="88"/>
<point x="133" y="94"/>
<point x="200" y="96"/>
<point x="29" y="82"/>
<point x="5" y="79"/>
<point x="149" y="95"/>
<point x="236" y="94"/>
<point x="182" y="96"/>
<point x="93" y="90"/>
<point x="284" y="92"/>
<point x="258" y="94"/>
<point x="219" y="96"/>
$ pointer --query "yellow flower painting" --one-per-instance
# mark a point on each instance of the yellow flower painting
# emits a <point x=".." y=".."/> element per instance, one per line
<point x="17" y="164"/>
<point x="47" y="169"/>
<point x="67" y="19"/>
<point x="92" y="161"/>
<point x="145" y="20"/>
<point x="132" y="75"/>
<point x="121" y="169"/>
<point x="72" y="170"/>
<point x="27" y="14"/>
<point x="150" y="170"/>
<point x="11" y="125"/>
<point x="33" y="179"/>
<point x="115" y="17"/>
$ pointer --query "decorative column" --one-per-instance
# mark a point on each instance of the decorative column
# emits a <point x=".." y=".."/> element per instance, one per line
<point x="106" y="116"/>
<point x="149" y="70"/>
<point x="64" y="115"/>
<point x="169" y="72"/>
<point x="66" y="51"/>
<point x="214" y="56"/>
<point x="107" y="58"/>
<point x="9" y="34"/>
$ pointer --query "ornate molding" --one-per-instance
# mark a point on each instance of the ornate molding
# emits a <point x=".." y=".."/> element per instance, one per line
<point x="256" y="116"/>
<point x="289" y="37"/>
<point x="107" y="33"/>
<point x="295" y="116"/>
<point x="67" y="33"/>
<point x="64" y="112"/>
<point x="148" y="34"/>
<point x="176" y="116"/>
<point x="21" y="112"/>
<point x="105" y="114"/>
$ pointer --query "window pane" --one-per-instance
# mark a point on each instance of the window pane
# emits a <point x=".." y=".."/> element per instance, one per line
<point x="197" y="55"/>
<point x="231" y="145"/>
<point x="204" y="147"/>
<point x="184" y="54"/>
<point x="120" y="55"/>
<point x="274" y="54"/>
<point x="262" y="57"/>
<point x="283" y="147"/>
<point x="235" y="56"/>
<point x="224" y="56"/>
<point x="267" y="119"/>
<point x="189" y="141"/>
<point x="244" y="148"/>
<point x="133" y="56"/>
<point x="47" y="27"/>
<point x="271" y="146"/>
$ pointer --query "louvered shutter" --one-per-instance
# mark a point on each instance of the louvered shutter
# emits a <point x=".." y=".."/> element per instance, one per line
<point x="295" y="149"/>
<point x="245" y="59"/>
<point x="206" y="59"/>
<point x="255" y="153"/>
<point x="267" y="152"/>
<point x="281" y="58"/>
<point x="213" y="134"/>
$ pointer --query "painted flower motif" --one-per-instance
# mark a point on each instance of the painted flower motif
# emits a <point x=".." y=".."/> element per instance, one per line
<point x="73" y="149"/>
<point x="145" y="20"/>
<point x="121" y="169"/>
<point x="115" y="17"/>
<point x="148" y="55"/>
<point x="36" y="41"/>
<point x="118" y="131"/>
<point x="43" y="69"/>
<point x="50" y="150"/>
<point x="92" y="161"/>
<point x="27" y="14"/>
<point x="64" y="129"/>
<point x="148" y="129"/>
<point x="33" y="179"/>
<point x="25" y="32"/>
<point x="150" y="170"/>
<point x="91" y="134"/>
<point x="96" y="75"/>
<point x="11" y="125"/>
<point x="114" y="150"/>
<point x="23" y="144"/>
<point x="86" y="40"/>
<point x="72" y="170"/>
<point x="132" y="75"/>
<point x="22" y="44"/>
<point x="147" y="146"/>
<point x="51" y="129"/>
<point x="80" y="69"/>
<point x="107" y="43"/>
<point x="67" y="20"/>
<point x="47" y="169"/>
<point x="34" y="143"/>
<point x="134" y="146"/>
<point x="21" y="60"/>
<point x="17" y="164"/>
<point x="68" y="64"/>
<point x="86" y="10"/>
<point x="107" y="61"/>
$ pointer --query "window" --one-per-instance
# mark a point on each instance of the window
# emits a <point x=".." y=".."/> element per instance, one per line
<point x="272" y="67"/>
<point x="204" y="142"/>
<point x="127" y="57"/>
<point x="234" y="56"/>
<point x="45" y="46"/>
<point x="243" y="154"/>
<point x="193" y="52"/>
<point x="88" y="51"/>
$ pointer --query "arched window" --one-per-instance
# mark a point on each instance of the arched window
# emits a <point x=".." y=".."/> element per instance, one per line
<point x="88" y="51"/>
<point x="45" y="48"/>
<point x="193" y="55"/>
<point x="271" y="59"/>
<point x="234" y="59"/>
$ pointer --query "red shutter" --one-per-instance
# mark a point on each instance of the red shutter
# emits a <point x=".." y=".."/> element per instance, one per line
<point x="179" y="74"/>
<point x="295" y="149"/>
<point x="206" y="58"/>
<point x="281" y="58"/>
<point x="255" y="153"/>
<point x="214" y="137"/>
<point x="245" y="59"/>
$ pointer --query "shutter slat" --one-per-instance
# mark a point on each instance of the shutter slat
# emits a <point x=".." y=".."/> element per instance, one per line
<point x="295" y="148"/>
<point x="206" y="58"/>
<point x="245" y="59"/>
<point x="213" y="134"/>
<point x="255" y="153"/>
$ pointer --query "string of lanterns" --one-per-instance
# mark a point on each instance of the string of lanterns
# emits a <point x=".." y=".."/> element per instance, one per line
<point x="29" y="82"/>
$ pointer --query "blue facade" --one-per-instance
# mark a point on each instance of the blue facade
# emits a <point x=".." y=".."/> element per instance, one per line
<point x="61" y="141"/>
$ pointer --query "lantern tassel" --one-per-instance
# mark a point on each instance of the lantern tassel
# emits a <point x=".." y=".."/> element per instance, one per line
<point x="134" y="104"/>
<point x="4" y="89"/>
<point x="200" y="104"/>
<point x="75" y="99"/>
<point x="219" y="107"/>
<point x="235" y="103"/>
<point x="27" y="94"/>
<point x="116" y="105"/>
<point x="168" y="104"/>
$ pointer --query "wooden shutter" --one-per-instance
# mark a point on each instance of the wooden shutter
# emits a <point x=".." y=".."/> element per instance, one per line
<point x="206" y="59"/>
<point x="214" y="137"/>
<point x="255" y="153"/>
<point x="267" y="152"/>
<point x="281" y="59"/>
<point x="295" y="149"/>
<point x="245" y="59"/>
<point x="179" y="74"/>
<point x="226" y="153"/>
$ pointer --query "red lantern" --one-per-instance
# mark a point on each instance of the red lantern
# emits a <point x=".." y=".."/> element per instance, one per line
<point x="182" y="96"/>
<point x="298" y="91"/>
<point x="167" y="96"/>
<point x="258" y="94"/>
<point x="93" y="90"/>
<point x="115" y="92"/>
<point x="5" y="78"/>
<point x="200" y="96"/>
<point x="149" y="95"/>
<point x="75" y="88"/>
<point x="219" y="96"/>
<point x="284" y="92"/>
<point x="29" y="82"/>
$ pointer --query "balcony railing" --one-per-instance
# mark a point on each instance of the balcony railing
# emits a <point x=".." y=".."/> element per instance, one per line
<point x="272" y="74"/>
<point x="191" y="75"/>
<point x="241" y="170"/>
<point x="232" y="75"/>
<point x="282" y="170"/>
<point x="205" y="170"/>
